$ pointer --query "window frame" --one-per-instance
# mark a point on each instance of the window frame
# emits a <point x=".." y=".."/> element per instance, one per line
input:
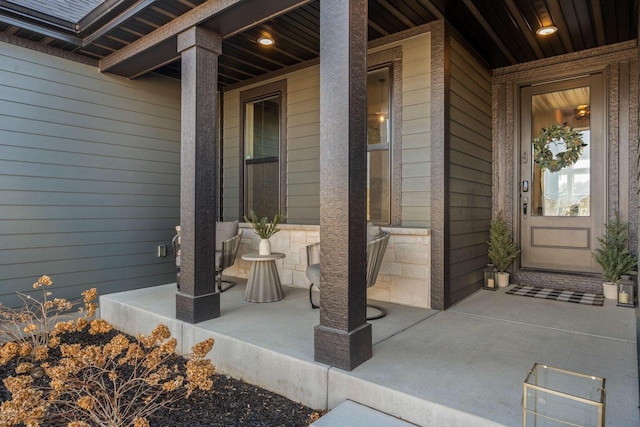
<point x="278" y="88"/>
<point x="392" y="58"/>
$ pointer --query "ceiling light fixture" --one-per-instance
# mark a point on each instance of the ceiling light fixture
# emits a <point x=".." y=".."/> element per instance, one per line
<point x="547" y="30"/>
<point x="266" y="41"/>
<point x="582" y="112"/>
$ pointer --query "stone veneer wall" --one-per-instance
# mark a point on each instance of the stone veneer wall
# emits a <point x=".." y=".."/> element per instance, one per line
<point x="404" y="277"/>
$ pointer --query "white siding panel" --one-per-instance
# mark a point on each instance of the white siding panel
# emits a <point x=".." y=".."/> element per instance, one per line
<point x="416" y="111"/>
<point x="303" y="119"/>
<point x="306" y="129"/>
<point x="307" y="141"/>
<point x="413" y="97"/>
<point x="416" y="155"/>
<point x="414" y="141"/>
<point x="417" y="170"/>
<point x="295" y="155"/>
<point x="307" y="177"/>
<point x="303" y="189"/>
<point x="91" y="175"/>
<point x="416" y="131"/>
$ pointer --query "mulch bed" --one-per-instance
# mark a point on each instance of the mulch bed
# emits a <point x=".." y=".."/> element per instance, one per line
<point x="231" y="402"/>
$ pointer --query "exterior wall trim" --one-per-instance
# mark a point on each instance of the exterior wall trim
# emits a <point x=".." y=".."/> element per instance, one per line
<point x="599" y="55"/>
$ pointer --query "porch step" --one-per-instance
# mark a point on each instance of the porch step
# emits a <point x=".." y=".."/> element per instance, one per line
<point x="352" y="414"/>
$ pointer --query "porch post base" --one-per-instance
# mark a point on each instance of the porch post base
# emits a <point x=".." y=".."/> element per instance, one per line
<point x="343" y="349"/>
<point x="197" y="309"/>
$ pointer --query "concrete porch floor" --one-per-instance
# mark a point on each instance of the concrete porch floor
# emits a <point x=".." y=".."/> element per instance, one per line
<point x="461" y="367"/>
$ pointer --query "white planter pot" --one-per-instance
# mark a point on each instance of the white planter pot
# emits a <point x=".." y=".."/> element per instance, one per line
<point x="265" y="247"/>
<point x="503" y="280"/>
<point x="610" y="290"/>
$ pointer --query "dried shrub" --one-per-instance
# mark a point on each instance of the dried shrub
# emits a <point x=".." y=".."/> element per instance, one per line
<point x="32" y="329"/>
<point x="119" y="383"/>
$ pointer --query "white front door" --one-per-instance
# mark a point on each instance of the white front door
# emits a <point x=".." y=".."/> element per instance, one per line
<point x="562" y="212"/>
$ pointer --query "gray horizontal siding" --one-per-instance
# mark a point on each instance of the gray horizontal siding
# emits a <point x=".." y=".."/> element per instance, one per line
<point x="89" y="176"/>
<point x="470" y="176"/>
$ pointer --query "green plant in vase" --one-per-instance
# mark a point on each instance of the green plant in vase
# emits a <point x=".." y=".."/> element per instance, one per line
<point x="502" y="250"/>
<point x="613" y="255"/>
<point x="264" y="228"/>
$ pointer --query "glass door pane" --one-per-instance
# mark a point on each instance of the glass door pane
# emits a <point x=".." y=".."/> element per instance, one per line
<point x="566" y="192"/>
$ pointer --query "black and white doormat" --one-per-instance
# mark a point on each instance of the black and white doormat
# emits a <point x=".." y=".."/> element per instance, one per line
<point x="577" y="297"/>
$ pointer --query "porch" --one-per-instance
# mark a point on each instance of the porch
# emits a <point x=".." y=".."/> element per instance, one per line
<point x="463" y="366"/>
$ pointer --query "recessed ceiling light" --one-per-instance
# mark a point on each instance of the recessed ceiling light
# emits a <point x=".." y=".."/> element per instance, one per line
<point x="266" y="41"/>
<point x="546" y="30"/>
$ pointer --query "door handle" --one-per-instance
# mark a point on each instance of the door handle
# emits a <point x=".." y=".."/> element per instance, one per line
<point x="525" y="202"/>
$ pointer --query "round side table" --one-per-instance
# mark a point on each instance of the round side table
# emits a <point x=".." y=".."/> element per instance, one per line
<point x="263" y="284"/>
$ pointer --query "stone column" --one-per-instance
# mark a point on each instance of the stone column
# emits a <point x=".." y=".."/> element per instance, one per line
<point x="343" y="337"/>
<point x="197" y="299"/>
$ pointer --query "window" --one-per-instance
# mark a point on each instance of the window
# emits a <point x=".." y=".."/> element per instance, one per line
<point x="262" y="116"/>
<point x="378" y="144"/>
<point x="384" y="137"/>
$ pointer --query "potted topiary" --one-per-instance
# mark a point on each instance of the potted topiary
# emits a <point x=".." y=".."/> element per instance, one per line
<point x="265" y="228"/>
<point x="614" y="256"/>
<point x="502" y="250"/>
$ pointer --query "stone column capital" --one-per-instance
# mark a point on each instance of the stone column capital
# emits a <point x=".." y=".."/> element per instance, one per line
<point x="200" y="37"/>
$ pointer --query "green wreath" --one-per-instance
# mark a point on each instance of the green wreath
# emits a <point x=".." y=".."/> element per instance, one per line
<point x="553" y="134"/>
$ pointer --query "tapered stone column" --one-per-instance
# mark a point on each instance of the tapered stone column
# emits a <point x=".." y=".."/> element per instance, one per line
<point x="197" y="300"/>
<point x="343" y="338"/>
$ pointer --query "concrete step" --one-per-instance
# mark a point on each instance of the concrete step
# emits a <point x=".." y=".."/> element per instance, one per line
<point x="352" y="414"/>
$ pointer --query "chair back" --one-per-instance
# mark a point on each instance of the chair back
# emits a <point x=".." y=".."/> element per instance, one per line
<point x="313" y="253"/>
<point x="175" y="242"/>
<point x="375" y="254"/>
<point x="228" y="236"/>
<point x="230" y="250"/>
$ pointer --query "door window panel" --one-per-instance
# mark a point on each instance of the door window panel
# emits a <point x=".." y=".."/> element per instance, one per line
<point x="566" y="192"/>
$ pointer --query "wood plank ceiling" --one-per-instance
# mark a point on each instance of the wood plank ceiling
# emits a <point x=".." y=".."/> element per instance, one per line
<point x="501" y="31"/>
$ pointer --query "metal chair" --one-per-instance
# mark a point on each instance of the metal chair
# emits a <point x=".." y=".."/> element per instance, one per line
<point x="175" y="242"/>
<point x="226" y="257"/>
<point x="375" y="254"/>
<point x="226" y="251"/>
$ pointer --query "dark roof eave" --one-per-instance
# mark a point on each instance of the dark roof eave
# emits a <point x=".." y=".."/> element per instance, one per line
<point x="30" y="15"/>
<point x="66" y="36"/>
<point x="156" y="49"/>
<point x="97" y="14"/>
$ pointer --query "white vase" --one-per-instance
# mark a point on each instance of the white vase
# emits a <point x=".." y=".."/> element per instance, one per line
<point x="265" y="247"/>
<point x="610" y="290"/>
<point x="503" y="280"/>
